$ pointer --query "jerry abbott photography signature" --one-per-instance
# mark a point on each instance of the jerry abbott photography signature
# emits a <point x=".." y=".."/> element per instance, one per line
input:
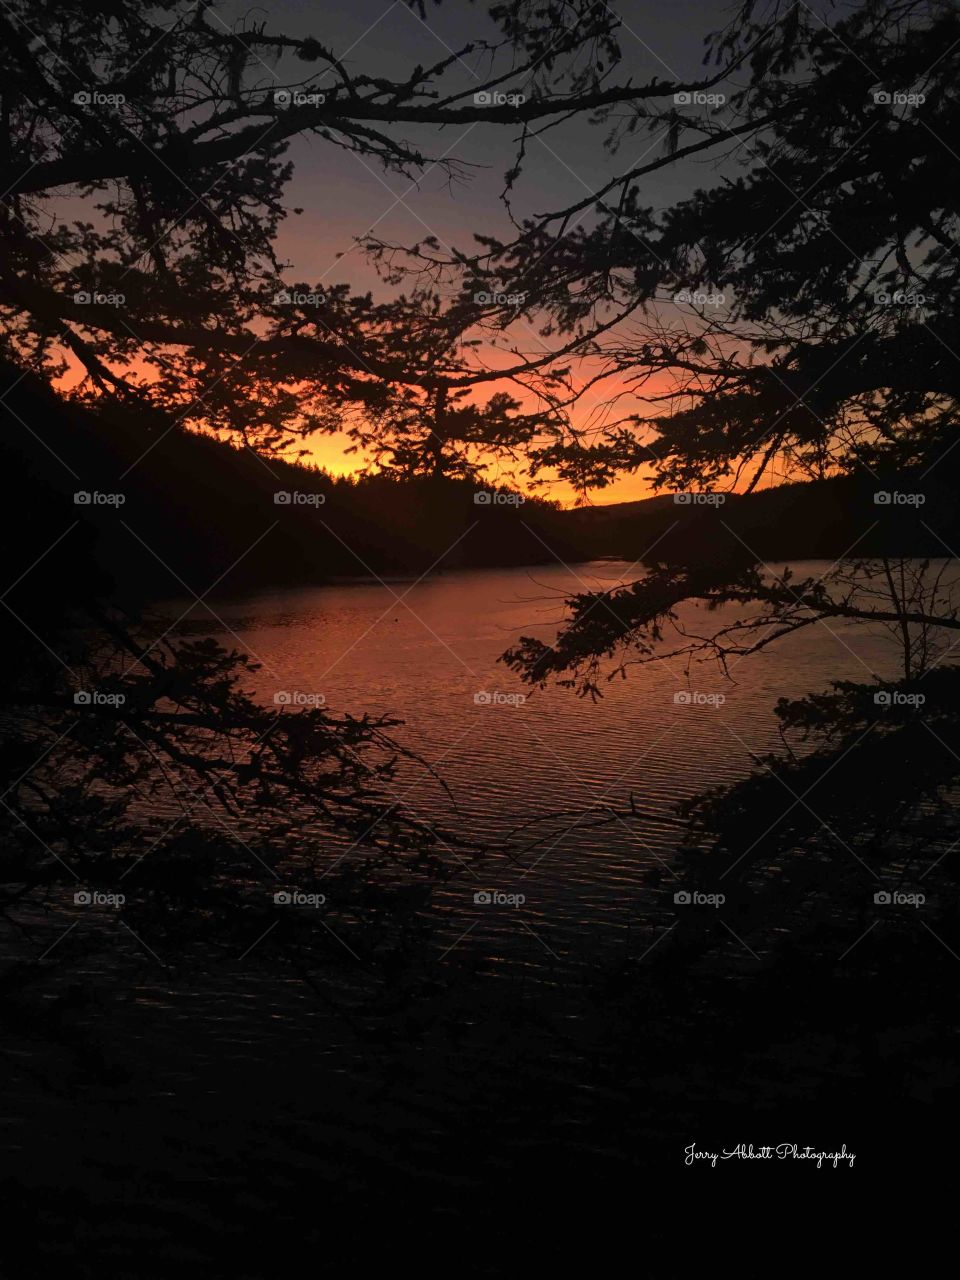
<point x="785" y="1151"/>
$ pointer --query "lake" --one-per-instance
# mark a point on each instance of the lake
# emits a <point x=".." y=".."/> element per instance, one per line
<point x="456" y="1063"/>
<point x="427" y="652"/>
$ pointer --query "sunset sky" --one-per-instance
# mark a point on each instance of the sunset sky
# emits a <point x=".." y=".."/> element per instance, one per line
<point x="343" y="195"/>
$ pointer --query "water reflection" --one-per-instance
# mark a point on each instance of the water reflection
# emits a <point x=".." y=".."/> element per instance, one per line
<point x="427" y="652"/>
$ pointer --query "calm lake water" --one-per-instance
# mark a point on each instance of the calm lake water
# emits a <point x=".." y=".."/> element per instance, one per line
<point x="218" y="1036"/>
<point x="424" y="651"/>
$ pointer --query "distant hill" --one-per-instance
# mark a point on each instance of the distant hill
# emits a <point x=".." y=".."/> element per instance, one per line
<point x="170" y="512"/>
<point x="869" y="515"/>
<point x="162" y="508"/>
<point x="599" y="512"/>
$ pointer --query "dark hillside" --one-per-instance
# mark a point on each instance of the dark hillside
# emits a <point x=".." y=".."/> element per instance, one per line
<point x="167" y="504"/>
<point x="892" y="514"/>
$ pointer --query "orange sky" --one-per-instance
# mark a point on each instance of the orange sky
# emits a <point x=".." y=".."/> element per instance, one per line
<point x="331" y="451"/>
<point x="335" y="196"/>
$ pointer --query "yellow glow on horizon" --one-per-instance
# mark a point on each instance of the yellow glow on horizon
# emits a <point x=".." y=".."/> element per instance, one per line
<point x="332" y="452"/>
